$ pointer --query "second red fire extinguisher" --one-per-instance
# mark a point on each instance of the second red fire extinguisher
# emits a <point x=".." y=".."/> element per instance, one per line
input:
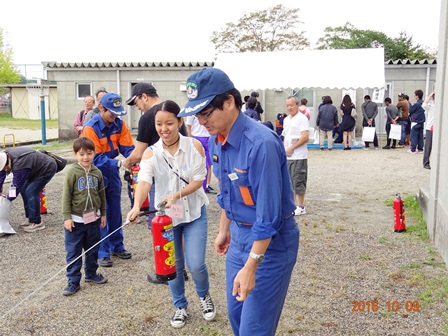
<point x="163" y="242"/>
<point x="399" y="217"/>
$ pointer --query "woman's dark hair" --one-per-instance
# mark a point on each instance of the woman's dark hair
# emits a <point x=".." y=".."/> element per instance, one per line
<point x="255" y="94"/>
<point x="83" y="143"/>
<point x="347" y="101"/>
<point x="304" y="101"/>
<point x="219" y="100"/>
<point x="168" y="106"/>
<point x="327" y="100"/>
<point x="252" y="102"/>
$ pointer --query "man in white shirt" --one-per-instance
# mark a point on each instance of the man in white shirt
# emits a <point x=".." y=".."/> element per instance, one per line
<point x="296" y="132"/>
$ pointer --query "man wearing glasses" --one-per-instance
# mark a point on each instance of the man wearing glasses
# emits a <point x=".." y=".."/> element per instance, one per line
<point x="257" y="228"/>
<point x="111" y="137"/>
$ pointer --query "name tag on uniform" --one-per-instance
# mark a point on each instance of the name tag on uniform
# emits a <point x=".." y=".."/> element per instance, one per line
<point x="12" y="192"/>
<point x="233" y="176"/>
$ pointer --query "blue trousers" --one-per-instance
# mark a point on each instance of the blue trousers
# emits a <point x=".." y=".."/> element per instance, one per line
<point x="83" y="236"/>
<point x="260" y="312"/>
<point x="417" y="137"/>
<point x="403" y="124"/>
<point x="31" y="198"/>
<point x="194" y="237"/>
<point x="114" y="243"/>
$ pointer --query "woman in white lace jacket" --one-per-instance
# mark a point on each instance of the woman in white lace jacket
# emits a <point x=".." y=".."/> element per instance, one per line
<point x="177" y="164"/>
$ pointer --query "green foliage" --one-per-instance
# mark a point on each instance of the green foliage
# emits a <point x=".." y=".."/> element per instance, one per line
<point x="413" y="209"/>
<point x="8" y="73"/>
<point x="349" y="37"/>
<point x="273" y="29"/>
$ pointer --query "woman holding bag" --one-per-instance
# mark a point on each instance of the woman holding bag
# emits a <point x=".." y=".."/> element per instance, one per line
<point x="177" y="164"/>
<point x="392" y="116"/>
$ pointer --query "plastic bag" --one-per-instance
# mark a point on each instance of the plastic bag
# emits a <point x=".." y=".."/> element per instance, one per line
<point x="5" y="211"/>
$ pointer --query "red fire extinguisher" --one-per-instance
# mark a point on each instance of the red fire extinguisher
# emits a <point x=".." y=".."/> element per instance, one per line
<point x="135" y="170"/>
<point x="163" y="242"/>
<point x="399" y="217"/>
<point x="43" y="201"/>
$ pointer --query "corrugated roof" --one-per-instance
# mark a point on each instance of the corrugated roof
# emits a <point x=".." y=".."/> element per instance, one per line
<point x="411" y="62"/>
<point x="86" y="65"/>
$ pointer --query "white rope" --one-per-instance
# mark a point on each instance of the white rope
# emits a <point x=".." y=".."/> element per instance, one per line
<point x="61" y="270"/>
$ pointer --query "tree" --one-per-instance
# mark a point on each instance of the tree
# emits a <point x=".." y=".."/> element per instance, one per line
<point x="8" y="73"/>
<point x="273" y="29"/>
<point x="349" y="37"/>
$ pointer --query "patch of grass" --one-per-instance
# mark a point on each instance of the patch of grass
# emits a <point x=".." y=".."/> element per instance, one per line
<point x="382" y="240"/>
<point x="412" y="209"/>
<point x="353" y="275"/>
<point x="396" y="276"/>
<point x="436" y="290"/>
<point x="208" y="331"/>
<point x="54" y="145"/>
<point x="416" y="279"/>
<point x="432" y="262"/>
<point x="365" y="257"/>
<point x="413" y="265"/>
<point x="6" y="120"/>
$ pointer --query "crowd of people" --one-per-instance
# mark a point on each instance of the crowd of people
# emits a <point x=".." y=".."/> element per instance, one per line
<point x="178" y="150"/>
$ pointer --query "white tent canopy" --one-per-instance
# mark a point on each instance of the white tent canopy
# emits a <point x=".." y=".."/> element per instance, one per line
<point x="341" y="69"/>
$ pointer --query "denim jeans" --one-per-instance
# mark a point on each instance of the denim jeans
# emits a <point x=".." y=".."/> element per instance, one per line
<point x="417" y="137"/>
<point x="195" y="242"/>
<point x="31" y="197"/>
<point x="403" y="124"/>
<point x="260" y="313"/>
<point x="83" y="236"/>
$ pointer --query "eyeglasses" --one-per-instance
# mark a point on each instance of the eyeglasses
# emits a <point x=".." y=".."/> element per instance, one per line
<point x="137" y="97"/>
<point x="205" y="115"/>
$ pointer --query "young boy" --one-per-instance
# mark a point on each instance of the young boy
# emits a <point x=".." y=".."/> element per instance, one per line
<point x="84" y="211"/>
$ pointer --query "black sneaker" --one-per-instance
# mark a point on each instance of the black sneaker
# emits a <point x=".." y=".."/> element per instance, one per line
<point x="152" y="278"/>
<point x="179" y="318"/>
<point x="386" y="147"/>
<point x="207" y="307"/>
<point x="98" y="279"/>
<point x="210" y="190"/>
<point x="123" y="254"/>
<point x="70" y="289"/>
<point x="105" y="262"/>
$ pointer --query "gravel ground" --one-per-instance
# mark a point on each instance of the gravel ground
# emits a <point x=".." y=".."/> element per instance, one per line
<point x="348" y="251"/>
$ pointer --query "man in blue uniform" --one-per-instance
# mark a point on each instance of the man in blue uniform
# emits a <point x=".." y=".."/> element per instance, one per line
<point x="257" y="228"/>
<point x="111" y="137"/>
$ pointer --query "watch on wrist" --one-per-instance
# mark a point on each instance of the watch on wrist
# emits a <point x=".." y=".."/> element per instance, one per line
<point x="257" y="257"/>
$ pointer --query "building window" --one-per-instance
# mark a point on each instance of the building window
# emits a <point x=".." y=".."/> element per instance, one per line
<point x="83" y="90"/>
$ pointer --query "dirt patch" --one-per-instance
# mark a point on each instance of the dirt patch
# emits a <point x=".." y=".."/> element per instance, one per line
<point x="348" y="252"/>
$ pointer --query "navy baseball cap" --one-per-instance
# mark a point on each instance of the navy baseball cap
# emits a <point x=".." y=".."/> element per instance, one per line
<point x="112" y="102"/>
<point x="139" y="89"/>
<point x="202" y="87"/>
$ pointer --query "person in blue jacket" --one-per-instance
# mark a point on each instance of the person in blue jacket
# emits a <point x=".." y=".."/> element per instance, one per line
<point x="111" y="137"/>
<point x="257" y="229"/>
<point x="417" y="115"/>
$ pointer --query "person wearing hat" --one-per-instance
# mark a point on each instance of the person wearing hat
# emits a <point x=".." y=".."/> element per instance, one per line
<point x="111" y="137"/>
<point x="257" y="229"/>
<point x="32" y="171"/>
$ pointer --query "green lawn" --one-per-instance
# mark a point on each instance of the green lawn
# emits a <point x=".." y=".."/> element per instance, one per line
<point x="9" y="122"/>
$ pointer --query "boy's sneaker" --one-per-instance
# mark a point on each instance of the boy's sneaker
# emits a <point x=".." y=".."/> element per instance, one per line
<point x="299" y="211"/>
<point x="105" y="262"/>
<point x="179" y="318"/>
<point x="207" y="307"/>
<point x="26" y="223"/>
<point x="98" y="279"/>
<point x="409" y="151"/>
<point x="420" y="151"/>
<point x="33" y="227"/>
<point x="70" y="289"/>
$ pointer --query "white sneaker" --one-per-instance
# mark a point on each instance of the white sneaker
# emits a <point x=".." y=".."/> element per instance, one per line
<point x="207" y="307"/>
<point x="179" y="318"/>
<point x="299" y="211"/>
<point x="26" y="223"/>
<point x="33" y="227"/>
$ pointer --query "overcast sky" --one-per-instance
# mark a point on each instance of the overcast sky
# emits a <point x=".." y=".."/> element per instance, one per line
<point x="137" y="30"/>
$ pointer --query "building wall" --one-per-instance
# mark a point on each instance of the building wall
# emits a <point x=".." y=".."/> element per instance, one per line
<point x="436" y="202"/>
<point x="169" y="79"/>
